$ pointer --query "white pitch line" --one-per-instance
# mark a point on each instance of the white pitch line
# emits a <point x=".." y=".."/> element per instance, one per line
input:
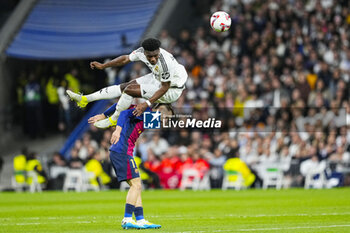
<point x="288" y="228"/>
<point x="54" y="218"/>
<point x="286" y="215"/>
<point x="29" y="223"/>
<point x="38" y="223"/>
<point x="264" y="229"/>
<point x="256" y="216"/>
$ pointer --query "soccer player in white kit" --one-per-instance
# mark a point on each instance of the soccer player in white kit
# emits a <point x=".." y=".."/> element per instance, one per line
<point x="164" y="84"/>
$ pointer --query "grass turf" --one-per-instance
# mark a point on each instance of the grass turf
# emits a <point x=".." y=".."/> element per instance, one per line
<point x="293" y="210"/>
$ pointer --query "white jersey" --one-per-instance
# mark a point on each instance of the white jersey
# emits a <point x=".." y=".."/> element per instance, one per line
<point x="166" y="69"/>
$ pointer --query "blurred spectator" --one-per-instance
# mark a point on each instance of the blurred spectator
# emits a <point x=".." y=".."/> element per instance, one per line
<point x="34" y="126"/>
<point x="34" y="165"/>
<point x="234" y="167"/>
<point x="150" y="178"/>
<point x="74" y="161"/>
<point x="88" y="147"/>
<point x="19" y="167"/>
<point x="158" y="145"/>
<point x="200" y="164"/>
<point x="216" y="169"/>
<point x="169" y="178"/>
<point x="72" y="80"/>
<point x="52" y="102"/>
<point x="94" y="166"/>
<point x="65" y="119"/>
<point x="57" y="170"/>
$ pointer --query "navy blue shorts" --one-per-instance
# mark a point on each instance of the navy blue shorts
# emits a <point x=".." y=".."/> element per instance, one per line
<point x="124" y="166"/>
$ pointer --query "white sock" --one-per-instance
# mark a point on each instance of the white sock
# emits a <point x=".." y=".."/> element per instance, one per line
<point x="124" y="103"/>
<point x="105" y="93"/>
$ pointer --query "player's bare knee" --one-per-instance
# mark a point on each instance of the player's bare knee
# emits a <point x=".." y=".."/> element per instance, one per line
<point x="128" y="89"/>
<point x="136" y="184"/>
<point x="124" y="85"/>
<point x="138" y="187"/>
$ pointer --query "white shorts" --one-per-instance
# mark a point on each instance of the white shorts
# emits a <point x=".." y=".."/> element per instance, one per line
<point x="149" y="85"/>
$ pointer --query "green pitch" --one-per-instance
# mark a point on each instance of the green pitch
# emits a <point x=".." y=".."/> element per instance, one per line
<point x="293" y="210"/>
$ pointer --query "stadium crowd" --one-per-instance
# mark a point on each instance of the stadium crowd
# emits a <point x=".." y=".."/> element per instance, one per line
<point x="280" y="79"/>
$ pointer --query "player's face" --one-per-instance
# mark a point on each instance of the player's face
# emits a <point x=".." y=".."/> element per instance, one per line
<point x="152" y="56"/>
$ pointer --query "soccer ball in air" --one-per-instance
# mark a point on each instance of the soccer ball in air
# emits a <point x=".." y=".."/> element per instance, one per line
<point x="220" y="21"/>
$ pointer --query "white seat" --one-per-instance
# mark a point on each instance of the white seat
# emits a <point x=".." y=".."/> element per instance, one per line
<point x="204" y="183"/>
<point x="124" y="186"/>
<point x="320" y="182"/>
<point x="190" y="179"/>
<point x="271" y="174"/>
<point x="73" y="180"/>
<point x="55" y="171"/>
<point x="35" y="185"/>
<point x="86" y="181"/>
<point x="79" y="180"/>
<point x="311" y="182"/>
<point x="232" y="180"/>
<point x="18" y="187"/>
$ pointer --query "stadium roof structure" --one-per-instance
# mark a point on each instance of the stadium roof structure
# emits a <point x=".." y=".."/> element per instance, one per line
<point x="75" y="29"/>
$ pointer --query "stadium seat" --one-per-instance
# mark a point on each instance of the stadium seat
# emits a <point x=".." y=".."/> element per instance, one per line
<point x="190" y="179"/>
<point x="18" y="187"/>
<point x="124" y="186"/>
<point x="204" y="183"/>
<point x="34" y="186"/>
<point x="232" y="180"/>
<point x="272" y="175"/>
<point x="73" y="180"/>
<point x="78" y="180"/>
<point x="315" y="176"/>
<point x="315" y="179"/>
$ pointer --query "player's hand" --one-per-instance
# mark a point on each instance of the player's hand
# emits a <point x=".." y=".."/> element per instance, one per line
<point x="116" y="135"/>
<point x="140" y="108"/>
<point x="96" y="65"/>
<point x="96" y="118"/>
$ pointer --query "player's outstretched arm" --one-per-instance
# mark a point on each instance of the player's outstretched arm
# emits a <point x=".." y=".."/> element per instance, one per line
<point x="96" y="118"/>
<point x="102" y="116"/>
<point x="140" y="108"/>
<point x="119" y="61"/>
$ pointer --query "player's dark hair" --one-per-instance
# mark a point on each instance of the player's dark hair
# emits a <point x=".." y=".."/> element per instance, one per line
<point x="151" y="44"/>
<point x="168" y="107"/>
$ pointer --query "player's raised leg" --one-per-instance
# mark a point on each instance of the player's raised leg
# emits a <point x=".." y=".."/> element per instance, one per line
<point x="109" y="92"/>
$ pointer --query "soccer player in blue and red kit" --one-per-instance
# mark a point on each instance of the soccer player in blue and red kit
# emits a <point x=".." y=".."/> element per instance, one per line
<point x="128" y="130"/>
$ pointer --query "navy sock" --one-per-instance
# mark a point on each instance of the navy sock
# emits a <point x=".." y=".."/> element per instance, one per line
<point x="138" y="213"/>
<point x="129" y="209"/>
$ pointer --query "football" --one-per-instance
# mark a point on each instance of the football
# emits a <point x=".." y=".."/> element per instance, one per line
<point x="220" y="21"/>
